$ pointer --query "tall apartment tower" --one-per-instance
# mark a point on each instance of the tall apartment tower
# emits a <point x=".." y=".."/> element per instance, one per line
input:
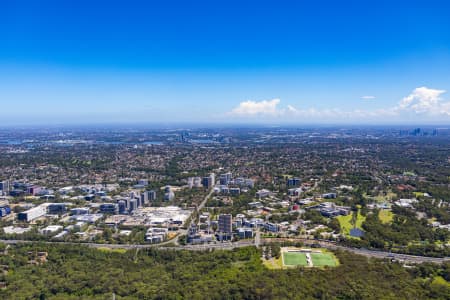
<point x="209" y="181"/>
<point x="4" y="186"/>
<point x="144" y="198"/>
<point x="225" y="178"/>
<point x="225" y="223"/>
<point x="151" y="195"/>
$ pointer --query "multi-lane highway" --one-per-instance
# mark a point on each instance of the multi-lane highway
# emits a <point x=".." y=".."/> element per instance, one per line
<point x="230" y="245"/>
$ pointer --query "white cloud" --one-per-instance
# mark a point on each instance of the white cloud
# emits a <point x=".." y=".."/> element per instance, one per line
<point x="272" y="109"/>
<point x="368" y="97"/>
<point x="422" y="101"/>
<point x="254" y="108"/>
<point x="292" y="109"/>
<point x="425" y="100"/>
<point x="445" y="109"/>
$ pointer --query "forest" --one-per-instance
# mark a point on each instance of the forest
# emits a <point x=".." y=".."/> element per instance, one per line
<point x="79" y="272"/>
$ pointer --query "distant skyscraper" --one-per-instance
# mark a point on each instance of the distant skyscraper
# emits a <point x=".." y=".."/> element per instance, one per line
<point x="417" y="132"/>
<point x="184" y="137"/>
<point x="435" y="132"/>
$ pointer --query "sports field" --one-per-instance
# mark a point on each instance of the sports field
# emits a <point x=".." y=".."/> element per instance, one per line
<point x="294" y="259"/>
<point x="323" y="259"/>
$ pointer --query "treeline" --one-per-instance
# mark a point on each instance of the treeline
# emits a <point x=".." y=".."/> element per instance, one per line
<point x="77" y="272"/>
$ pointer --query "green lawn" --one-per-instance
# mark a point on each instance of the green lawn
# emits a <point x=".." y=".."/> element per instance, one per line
<point x="118" y="250"/>
<point x="346" y="222"/>
<point x="380" y="199"/>
<point x="273" y="264"/>
<point x="319" y="258"/>
<point x="323" y="259"/>
<point x="409" y="173"/>
<point x="385" y="216"/>
<point x="438" y="280"/>
<point x="294" y="259"/>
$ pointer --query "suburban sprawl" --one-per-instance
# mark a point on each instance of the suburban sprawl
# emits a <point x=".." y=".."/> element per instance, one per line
<point x="312" y="199"/>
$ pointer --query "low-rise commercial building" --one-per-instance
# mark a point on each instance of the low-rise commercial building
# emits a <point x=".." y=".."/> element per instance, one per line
<point x="32" y="213"/>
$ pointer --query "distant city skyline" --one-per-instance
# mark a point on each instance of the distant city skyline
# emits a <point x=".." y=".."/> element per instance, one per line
<point x="257" y="62"/>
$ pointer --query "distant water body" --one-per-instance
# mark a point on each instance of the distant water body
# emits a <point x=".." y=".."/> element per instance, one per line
<point x="206" y="141"/>
<point x="153" y="143"/>
<point x="11" y="142"/>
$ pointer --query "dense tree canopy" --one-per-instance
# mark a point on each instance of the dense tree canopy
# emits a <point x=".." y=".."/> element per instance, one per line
<point x="404" y="233"/>
<point x="77" y="272"/>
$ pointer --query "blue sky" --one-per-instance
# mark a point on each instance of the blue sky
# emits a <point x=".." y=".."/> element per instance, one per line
<point x="225" y="61"/>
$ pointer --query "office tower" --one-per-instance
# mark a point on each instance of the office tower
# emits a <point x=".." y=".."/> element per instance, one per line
<point x="151" y="195"/>
<point x="225" y="223"/>
<point x="132" y="205"/>
<point x="122" y="206"/>
<point x="108" y="208"/>
<point x="293" y="182"/>
<point x="4" y="186"/>
<point x="143" y="182"/>
<point x="225" y="178"/>
<point x="206" y="182"/>
<point x="144" y="198"/>
<point x="209" y="181"/>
